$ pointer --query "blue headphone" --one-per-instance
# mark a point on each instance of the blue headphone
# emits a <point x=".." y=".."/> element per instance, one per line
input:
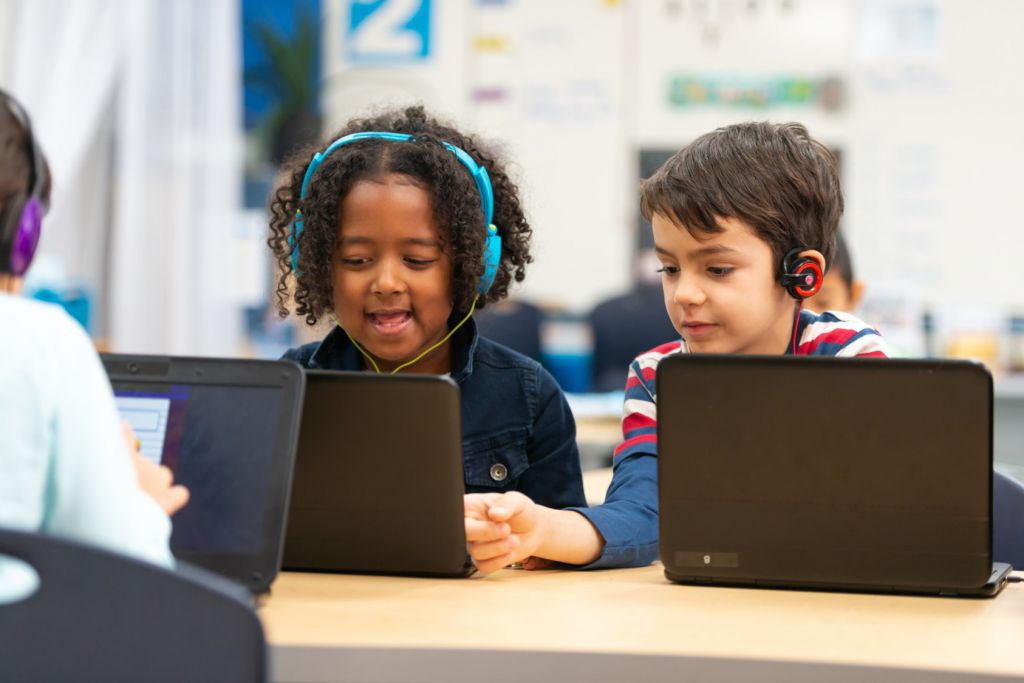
<point x="492" y="247"/>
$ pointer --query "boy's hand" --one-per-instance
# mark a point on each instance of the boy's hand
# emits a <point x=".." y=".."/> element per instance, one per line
<point x="155" y="480"/>
<point x="501" y="529"/>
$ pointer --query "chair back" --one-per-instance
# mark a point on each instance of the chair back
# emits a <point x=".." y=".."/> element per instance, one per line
<point x="98" y="615"/>
<point x="515" y="324"/>
<point x="1007" y="520"/>
<point x="624" y="327"/>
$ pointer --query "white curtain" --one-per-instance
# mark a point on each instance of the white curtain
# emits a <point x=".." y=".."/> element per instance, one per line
<point x="137" y="106"/>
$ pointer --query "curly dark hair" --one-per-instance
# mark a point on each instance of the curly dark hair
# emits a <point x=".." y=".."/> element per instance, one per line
<point x="453" y="192"/>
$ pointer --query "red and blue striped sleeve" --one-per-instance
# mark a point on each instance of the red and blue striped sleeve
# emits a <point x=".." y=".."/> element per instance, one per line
<point x="842" y="335"/>
<point x="628" y="518"/>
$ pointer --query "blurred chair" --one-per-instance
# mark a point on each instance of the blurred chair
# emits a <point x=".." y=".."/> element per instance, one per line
<point x="515" y="324"/>
<point x="1007" y="520"/>
<point x="624" y="327"/>
<point x="100" y="616"/>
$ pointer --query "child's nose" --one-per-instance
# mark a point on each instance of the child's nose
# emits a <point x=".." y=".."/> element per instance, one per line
<point x="388" y="279"/>
<point x="688" y="290"/>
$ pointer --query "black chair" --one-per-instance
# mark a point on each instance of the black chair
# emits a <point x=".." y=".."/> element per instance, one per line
<point x="515" y="324"/>
<point x="624" y="327"/>
<point x="101" y="616"/>
<point x="1007" y="520"/>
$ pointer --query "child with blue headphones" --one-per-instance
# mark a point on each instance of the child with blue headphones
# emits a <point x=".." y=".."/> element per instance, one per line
<point x="66" y="466"/>
<point x="397" y="231"/>
<point x="744" y="222"/>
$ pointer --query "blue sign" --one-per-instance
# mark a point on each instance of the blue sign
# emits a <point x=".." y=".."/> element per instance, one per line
<point x="388" y="31"/>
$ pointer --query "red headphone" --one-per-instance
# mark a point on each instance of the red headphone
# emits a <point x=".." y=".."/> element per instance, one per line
<point x="801" y="277"/>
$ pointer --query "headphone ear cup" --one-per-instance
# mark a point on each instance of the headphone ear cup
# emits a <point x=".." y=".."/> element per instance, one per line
<point x="26" y="237"/>
<point x="803" y="279"/>
<point x="492" y="260"/>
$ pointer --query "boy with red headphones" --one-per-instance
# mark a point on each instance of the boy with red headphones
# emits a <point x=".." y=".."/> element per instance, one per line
<point x="744" y="222"/>
<point x="66" y="466"/>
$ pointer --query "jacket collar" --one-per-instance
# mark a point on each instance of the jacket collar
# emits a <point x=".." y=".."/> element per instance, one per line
<point x="336" y="352"/>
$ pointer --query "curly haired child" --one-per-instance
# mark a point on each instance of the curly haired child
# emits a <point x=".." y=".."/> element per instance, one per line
<point x="397" y="231"/>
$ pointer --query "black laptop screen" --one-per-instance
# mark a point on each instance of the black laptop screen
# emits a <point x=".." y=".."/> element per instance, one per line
<point x="219" y="441"/>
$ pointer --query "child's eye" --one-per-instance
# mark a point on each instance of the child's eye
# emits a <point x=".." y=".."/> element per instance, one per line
<point x="719" y="271"/>
<point x="354" y="262"/>
<point x="419" y="262"/>
<point x="668" y="270"/>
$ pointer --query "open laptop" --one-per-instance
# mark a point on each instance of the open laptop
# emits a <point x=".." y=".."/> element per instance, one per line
<point x="228" y="430"/>
<point x="827" y="473"/>
<point x="378" y="479"/>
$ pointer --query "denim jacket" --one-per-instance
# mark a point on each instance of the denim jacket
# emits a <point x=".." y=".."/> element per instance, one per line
<point x="518" y="433"/>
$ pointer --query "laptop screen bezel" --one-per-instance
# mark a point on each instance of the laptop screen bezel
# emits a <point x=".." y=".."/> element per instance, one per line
<point x="675" y="371"/>
<point x="445" y="474"/>
<point x="257" y="569"/>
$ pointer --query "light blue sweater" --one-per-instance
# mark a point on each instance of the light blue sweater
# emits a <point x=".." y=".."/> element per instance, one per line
<point x="64" y="466"/>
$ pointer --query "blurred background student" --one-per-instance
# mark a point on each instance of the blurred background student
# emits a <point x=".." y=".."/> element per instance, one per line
<point x="840" y="291"/>
<point x="67" y="466"/>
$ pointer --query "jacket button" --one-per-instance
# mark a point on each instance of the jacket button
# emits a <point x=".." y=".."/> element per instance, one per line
<point x="499" y="472"/>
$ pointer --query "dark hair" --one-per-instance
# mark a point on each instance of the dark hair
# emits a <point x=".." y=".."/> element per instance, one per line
<point x="774" y="177"/>
<point x="842" y="261"/>
<point x="15" y="176"/>
<point x="454" y="196"/>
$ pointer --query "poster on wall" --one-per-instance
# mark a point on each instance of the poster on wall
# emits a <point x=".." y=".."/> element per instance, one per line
<point x="760" y="91"/>
<point x="387" y="32"/>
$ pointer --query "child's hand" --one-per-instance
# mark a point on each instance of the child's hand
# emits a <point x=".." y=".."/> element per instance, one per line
<point x="501" y="529"/>
<point x="489" y="543"/>
<point x="155" y="480"/>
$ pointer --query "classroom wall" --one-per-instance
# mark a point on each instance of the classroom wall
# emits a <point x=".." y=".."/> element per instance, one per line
<point x="924" y="115"/>
<point x="6" y="39"/>
<point x="549" y="94"/>
<point x="137" y="108"/>
<point x="925" y="122"/>
<point x="934" y="160"/>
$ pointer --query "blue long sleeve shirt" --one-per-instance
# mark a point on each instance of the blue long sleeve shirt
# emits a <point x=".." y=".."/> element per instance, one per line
<point x="628" y="518"/>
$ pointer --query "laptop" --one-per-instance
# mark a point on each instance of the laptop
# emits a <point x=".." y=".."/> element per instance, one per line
<point x="827" y="473"/>
<point x="228" y="430"/>
<point x="378" y="479"/>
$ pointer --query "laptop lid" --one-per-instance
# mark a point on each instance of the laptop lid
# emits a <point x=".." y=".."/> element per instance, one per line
<point x="228" y="430"/>
<point x="378" y="479"/>
<point x="825" y="472"/>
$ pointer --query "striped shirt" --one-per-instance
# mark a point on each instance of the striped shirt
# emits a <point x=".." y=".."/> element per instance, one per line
<point x="826" y="334"/>
<point x="628" y="519"/>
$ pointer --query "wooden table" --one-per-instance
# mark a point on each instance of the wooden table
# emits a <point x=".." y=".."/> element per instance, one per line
<point x="596" y="439"/>
<point x="595" y="484"/>
<point x="627" y="625"/>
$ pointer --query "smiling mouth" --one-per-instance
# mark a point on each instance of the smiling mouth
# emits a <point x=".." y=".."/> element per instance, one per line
<point x="389" y="321"/>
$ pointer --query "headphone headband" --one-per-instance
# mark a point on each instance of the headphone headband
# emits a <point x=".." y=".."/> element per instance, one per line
<point x="492" y="248"/>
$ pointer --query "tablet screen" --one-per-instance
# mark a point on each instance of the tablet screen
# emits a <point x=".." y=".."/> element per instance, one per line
<point x="219" y="442"/>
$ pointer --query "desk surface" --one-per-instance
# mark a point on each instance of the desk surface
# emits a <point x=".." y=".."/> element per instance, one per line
<point x="595" y="484"/>
<point x="632" y="623"/>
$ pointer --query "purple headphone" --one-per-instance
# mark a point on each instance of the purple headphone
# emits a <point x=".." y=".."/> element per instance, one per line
<point x="22" y="219"/>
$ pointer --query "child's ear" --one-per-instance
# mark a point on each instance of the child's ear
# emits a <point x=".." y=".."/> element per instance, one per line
<point x="814" y="255"/>
<point x="856" y="293"/>
<point x="10" y="284"/>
